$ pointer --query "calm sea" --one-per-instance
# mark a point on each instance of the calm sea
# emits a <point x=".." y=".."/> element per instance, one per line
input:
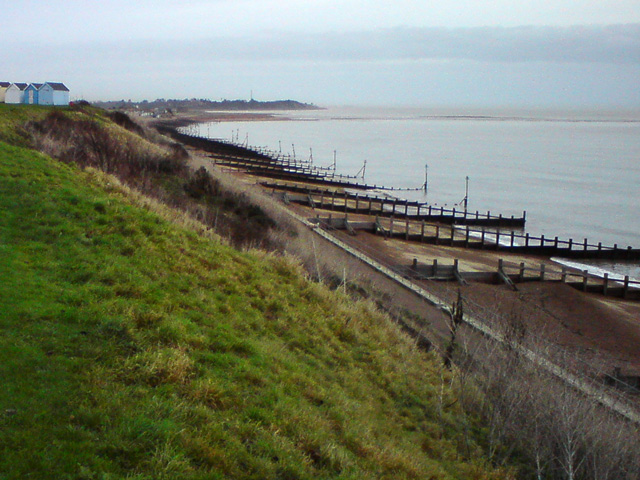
<point x="575" y="173"/>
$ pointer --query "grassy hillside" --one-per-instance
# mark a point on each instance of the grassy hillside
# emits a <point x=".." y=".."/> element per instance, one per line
<point x="135" y="345"/>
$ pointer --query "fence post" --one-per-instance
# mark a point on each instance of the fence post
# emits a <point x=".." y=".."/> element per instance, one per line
<point x="452" y="231"/>
<point x="391" y="227"/>
<point x="585" y="244"/>
<point x="422" y="232"/>
<point x="512" y="238"/>
<point x="521" y="273"/>
<point x="542" y="270"/>
<point x="585" y="280"/>
<point x="482" y="239"/>
<point x="605" y="284"/>
<point x="437" y="234"/>
<point x="498" y="240"/>
<point x="466" y="237"/>
<point x="406" y="237"/>
<point x="570" y="244"/>
<point x="435" y="267"/>
<point x="563" y="278"/>
<point x="526" y="240"/>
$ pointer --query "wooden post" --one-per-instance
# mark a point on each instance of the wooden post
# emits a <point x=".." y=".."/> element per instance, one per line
<point x="563" y="278"/>
<point x="406" y="237"/>
<point x="422" y="232"/>
<point x="498" y="240"/>
<point x="625" y="291"/>
<point x="346" y="200"/>
<point x="512" y="238"/>
<point x="429" y="210"/>
<point x="521" y="273"/>
<point x="542" y="269"/>
<point x="585" y="244"/>
<point x="435" y="267"/>
<point x="370" y="203"/>
<point x="542" y="240"/>
<point x="585" y="280"/>
<point x="466" y="237"/>
<point x="357" y="203"/>
<point x="406" y="207"/>
<point x="555" y="243"/>
<point x="526" y="240"/>
<point x="570" y="244"/>
<point x="415" y="265"/>
<point x="391" y="227"/>
<point x="605" y="284"/>
<point x="333" y="199"/>
<point x="437" y="234"/>
<point x="452" y="231"/>
<point x="482" y="239"/>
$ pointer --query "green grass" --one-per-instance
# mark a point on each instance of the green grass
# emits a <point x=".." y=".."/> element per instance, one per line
<point x="132" y="346"/>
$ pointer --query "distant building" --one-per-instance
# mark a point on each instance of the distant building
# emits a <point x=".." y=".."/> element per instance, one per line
<point x="3" y="89"/>
<point x="15" y="93"/>
<point x="32" y="94"/>
<point x="52" y="93"/>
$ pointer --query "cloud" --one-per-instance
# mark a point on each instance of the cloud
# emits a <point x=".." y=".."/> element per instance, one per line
<point x="613" y="44"/>
<point x="606" y="44"/>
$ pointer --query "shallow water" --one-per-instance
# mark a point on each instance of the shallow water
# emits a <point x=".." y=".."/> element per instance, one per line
<point x="576" y="173"/>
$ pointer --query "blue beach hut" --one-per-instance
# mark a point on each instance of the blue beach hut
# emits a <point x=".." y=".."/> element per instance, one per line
<point x="31" y="94"/>
<point x="53" y="93"/>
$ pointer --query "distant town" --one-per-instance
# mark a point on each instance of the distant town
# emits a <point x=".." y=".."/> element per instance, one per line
<point x="47" y="93"/>
<point x="162" y="106"/>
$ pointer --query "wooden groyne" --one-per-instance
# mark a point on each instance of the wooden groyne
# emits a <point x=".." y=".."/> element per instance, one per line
<point x="482" y="239"/>
<point x="513" y="274"/>
<point x="363" y="204"/>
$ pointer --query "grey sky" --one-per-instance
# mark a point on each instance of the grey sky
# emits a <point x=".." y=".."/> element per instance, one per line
<point x="572" y="52"/>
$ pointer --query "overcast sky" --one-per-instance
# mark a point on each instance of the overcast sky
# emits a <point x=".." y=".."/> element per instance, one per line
<point x="402" y="52"/>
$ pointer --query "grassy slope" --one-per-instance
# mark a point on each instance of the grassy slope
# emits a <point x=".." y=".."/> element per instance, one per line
<point x="132" y="347"/>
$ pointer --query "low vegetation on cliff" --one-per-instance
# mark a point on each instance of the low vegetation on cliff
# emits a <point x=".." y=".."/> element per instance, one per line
<point x="136" y="343"/>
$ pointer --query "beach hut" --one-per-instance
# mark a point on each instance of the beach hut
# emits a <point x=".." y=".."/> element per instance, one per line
<point x="53" y="93"/>
<point x="3" y="89"/>
<point x="15" y="93"/>
<point x="31" y="94"/>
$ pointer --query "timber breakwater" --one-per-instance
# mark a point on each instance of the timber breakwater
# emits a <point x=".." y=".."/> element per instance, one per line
<point x="299" y="181"/>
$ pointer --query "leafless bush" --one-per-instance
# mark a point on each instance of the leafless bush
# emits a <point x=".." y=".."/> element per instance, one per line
<point x="558" y="431"/>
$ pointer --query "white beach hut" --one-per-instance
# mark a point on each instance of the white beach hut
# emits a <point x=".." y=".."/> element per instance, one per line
<point x="3" y="89"/>
<point x="53" y="93"/>
<point x="15" y="93"/>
